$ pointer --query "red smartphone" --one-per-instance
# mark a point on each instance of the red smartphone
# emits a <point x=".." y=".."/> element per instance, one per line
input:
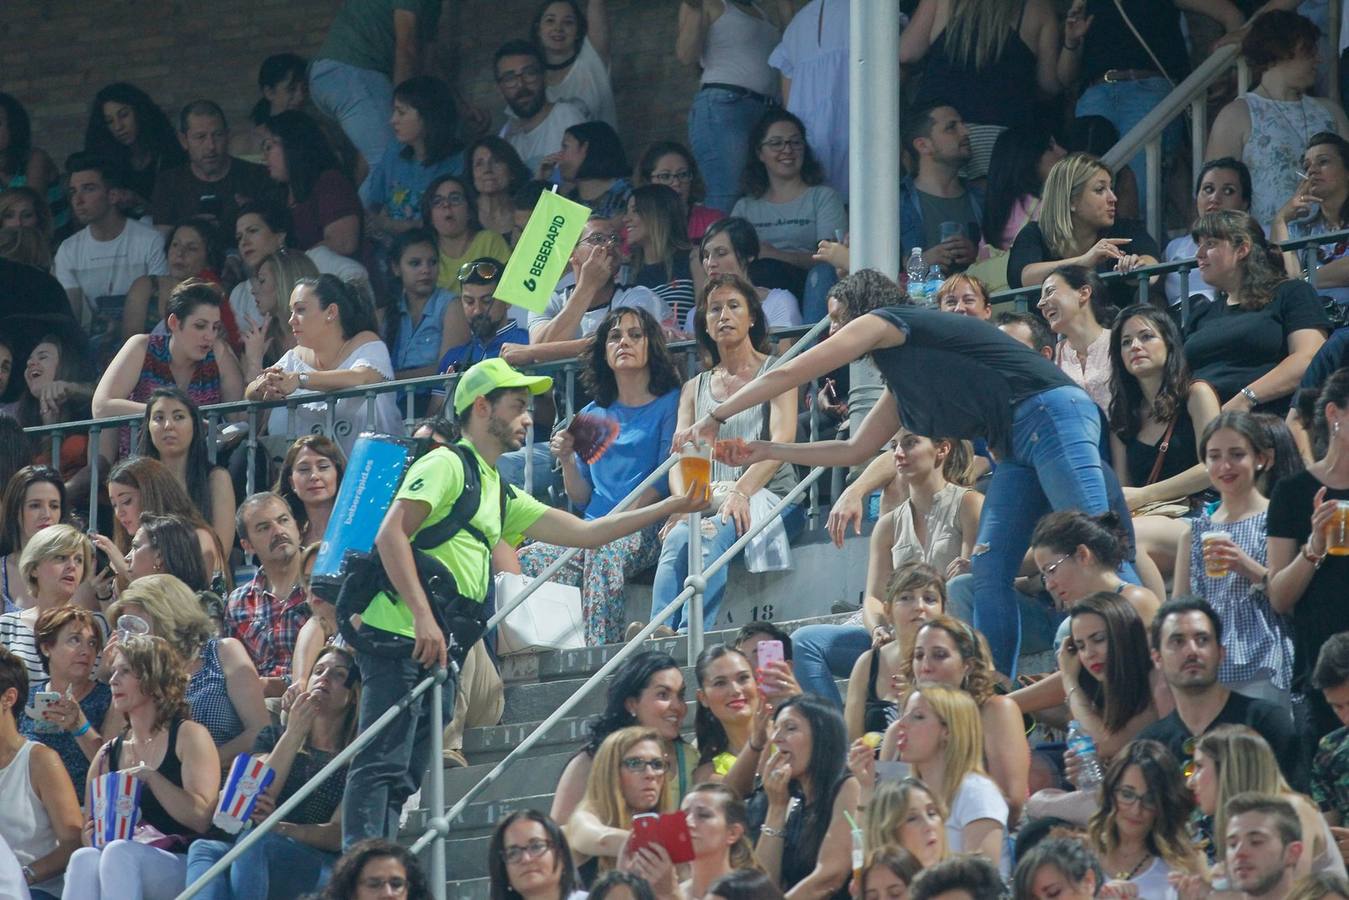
<point x="670" y="830"/>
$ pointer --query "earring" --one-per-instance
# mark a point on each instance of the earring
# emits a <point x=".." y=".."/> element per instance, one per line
<point x="1260" y="468"/>
<point x="1335" y="428"/>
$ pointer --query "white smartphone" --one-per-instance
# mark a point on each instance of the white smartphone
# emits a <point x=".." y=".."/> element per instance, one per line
<point x="43" y="701"/>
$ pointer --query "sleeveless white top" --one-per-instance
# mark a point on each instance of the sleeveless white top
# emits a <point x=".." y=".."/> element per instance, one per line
<point x="1280" y="131"/>
<point x="944" y="536"/>
<point x="588" y="86"/>
<point x="736" y="49"/>
<point x="23" y="818"/>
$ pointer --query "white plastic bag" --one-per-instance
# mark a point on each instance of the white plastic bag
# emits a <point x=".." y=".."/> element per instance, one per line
<point x="549" y="620"/>
<point x="769" y="550"/>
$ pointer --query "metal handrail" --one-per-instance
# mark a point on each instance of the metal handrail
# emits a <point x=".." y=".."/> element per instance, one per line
<point x="1183" y="266"/>
<point x="433" y="683"/>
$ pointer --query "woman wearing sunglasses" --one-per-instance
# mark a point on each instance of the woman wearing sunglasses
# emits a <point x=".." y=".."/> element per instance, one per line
<point x="627" y="779"/>
<point x="448" y="209"/>
<point x="1140" y="833"/>
<point x="529" y="858"/>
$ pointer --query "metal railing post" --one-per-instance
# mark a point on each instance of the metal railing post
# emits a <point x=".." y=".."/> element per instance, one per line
<point x="94" y="433"/>
<point x="697" y="584"/>
<point x="1198" y="132"/>
<point x="438" y="825"/>
<point x="252" y="450"/>
<point x="1153" y="167"/>
<point x="529" y="459"/>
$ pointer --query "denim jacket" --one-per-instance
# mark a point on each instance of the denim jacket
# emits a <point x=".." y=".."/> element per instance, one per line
<point x="911" y="215"/>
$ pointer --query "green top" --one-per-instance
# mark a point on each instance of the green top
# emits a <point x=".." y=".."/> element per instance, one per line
<point x="437" y="479"/>
<point x="362" y="33"/>
<point x="484" y="243"/>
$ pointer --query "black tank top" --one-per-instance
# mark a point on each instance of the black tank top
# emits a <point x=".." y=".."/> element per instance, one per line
<point x="1002" y="93"/>
<point x="878" y="713"/>
<point x="152" y="811"/>
<point x="1181" y="452"/>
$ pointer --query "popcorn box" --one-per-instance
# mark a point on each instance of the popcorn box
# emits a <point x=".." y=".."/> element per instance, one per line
<point x="248" y="778"/>
<point x="117" y="807"/>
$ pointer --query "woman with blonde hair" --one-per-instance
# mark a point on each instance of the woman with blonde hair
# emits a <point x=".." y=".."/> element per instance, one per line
<point x="172" y="757"/>
<point x="25" y="245"/>
<point x="1140" y="833"/>
<point x="628" y="777"/>
<point x="274" y="282"/>
<point x="1252" y="343"/>
<point x="1233" y="759"/>
<point x="23" y="207"/>
<point x="224" y="692"/>
<point x="655" y="223"/>
<point x="56" y="563"/>
<point x="1078" y="227"/>
<point x="941" y="736"/>
<point x="906" y="814"/>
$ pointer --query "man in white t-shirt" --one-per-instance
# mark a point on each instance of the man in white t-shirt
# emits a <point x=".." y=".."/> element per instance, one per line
<point x="110" y="252"/>
<point x="534" y="126"/>
<point x="563" y="329"/>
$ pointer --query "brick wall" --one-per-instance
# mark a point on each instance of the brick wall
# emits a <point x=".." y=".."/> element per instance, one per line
<point x="58" y="53"/>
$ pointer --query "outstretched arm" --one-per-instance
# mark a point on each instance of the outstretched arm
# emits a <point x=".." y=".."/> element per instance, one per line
<point x="878" y="427"/>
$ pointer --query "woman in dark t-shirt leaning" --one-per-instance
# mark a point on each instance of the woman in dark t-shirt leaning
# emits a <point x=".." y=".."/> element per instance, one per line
<point x="1305" y="580"/>
<point x="1254" y="340"/>
<point x="1045" y="430"/>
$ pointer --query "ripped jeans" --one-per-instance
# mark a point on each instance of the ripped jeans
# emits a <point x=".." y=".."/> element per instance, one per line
<point x="1055" y="463"/>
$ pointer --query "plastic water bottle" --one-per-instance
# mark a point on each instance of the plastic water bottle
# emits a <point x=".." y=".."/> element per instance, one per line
<point x="1090" y="765"/>
<point x="916" y="272"/>
<point x="933" y="286"/>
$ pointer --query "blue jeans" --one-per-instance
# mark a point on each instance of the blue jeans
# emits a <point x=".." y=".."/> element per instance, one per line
<point x="1038" y="618"/>
<point x="673" y="567"/>
<point x="1125" y="103"/>
<point x="275" y="866"/>
<point x="719" y="125"/>
<point x="815" y="298"/>
<point x="359" y="99"/>
<point x="389" y="769"/>
<point x="511" y="468"/>
<point x="1055" y="463"/>
<point x="821" y="653"/>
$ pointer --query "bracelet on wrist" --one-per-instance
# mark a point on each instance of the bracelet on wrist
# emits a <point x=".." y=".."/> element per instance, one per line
<point x="770" y="831"/>
<point x="1314" y="558"/>
<point x="83" y="729"/>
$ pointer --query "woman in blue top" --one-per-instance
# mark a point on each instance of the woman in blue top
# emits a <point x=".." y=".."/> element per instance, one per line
<point x="427" y="128"/>
<point x="961" y="378"/>
<point x="425" y="321"/>
<point x="635" y="382"/>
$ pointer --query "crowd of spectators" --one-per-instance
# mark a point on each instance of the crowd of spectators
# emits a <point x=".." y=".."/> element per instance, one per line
<point x="1142" y="476"/>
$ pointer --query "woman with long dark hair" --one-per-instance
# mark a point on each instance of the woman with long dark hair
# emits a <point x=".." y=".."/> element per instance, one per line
<point x="1021" y="160"/>
<point x="426" y="131"/>
<point x="324" y="206"/>
<point x="1254" y="343"/>
<point x="1157" y="411"/>
<point x="497" y="173"/>
<point x="128" y="128"/>
<point x="655" y="225"/>
<point x="575" y="49"/>
<point x="174" y="432"/>
<point x="1306" y="581"/>
<point x="593" y="163"/>
<point x="728" y="698"/>
<point x="1141" y="832"/>
<point x="647" y="690"/>
<point x="58" y="387"/>
<point x="34" y="498"/>
<point x="448" y="211"/>
<point x="193" y="248"/>
<point x="529" y="858"/>
<point x="1222" y="183"/>
<point x="791" y="209"/>
<point x="729" y="247"/>
<point x="806" y="843"/>
<point x="308" y="481"/>
<point x="635" y="381"/>
<point x="375" y="861"/>
<point x="1074" y="303"/>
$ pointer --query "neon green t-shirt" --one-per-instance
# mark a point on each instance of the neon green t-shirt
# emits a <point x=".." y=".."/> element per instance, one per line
<point x="437" y="479"/>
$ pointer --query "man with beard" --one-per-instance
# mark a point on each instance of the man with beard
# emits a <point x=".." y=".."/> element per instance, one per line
<point x="489" y="321"/>
<point x="491" y="409"/>
<point x="1187" y="649"/>
<point x="266" y="614"/>
<point x="1264" y="844"/>
<point x="534" y="126"/>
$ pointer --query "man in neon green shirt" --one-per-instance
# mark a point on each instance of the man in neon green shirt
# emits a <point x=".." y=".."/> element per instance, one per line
<point x="491" y="404"/>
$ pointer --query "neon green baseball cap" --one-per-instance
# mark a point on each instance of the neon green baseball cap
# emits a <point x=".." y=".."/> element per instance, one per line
<point x="489" y="375"/>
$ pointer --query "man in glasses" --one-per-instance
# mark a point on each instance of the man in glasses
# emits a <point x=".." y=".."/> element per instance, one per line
<point x="534" y="126"/>
<point x="1187" y="647"/>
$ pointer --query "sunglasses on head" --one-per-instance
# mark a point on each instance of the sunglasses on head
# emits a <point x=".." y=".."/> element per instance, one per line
<point x="487" y="271"/>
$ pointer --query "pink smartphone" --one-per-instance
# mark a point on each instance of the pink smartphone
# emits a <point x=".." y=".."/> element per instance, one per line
<point x="768" y="651"/>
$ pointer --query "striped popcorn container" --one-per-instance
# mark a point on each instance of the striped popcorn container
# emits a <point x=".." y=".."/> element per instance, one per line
<point x="117" y="807"/>
<point x="249" y="777"/>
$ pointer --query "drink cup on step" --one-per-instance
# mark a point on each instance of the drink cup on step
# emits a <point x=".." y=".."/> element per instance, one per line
<point x="695" y="463"/>
<point x="1337" y="531"/>
<point x="1214" y="567"/>
<point x="249" y="777"/>
<point x="117" y="807"/>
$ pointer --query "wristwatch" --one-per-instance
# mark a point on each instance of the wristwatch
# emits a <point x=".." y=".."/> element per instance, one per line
<point x="29" y="876"/>
<point x="1250" y="395"/>
<point x="304" y="382"/>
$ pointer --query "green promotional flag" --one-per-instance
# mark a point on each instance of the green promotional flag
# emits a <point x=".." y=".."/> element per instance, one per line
<point x="540" y="258"/>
